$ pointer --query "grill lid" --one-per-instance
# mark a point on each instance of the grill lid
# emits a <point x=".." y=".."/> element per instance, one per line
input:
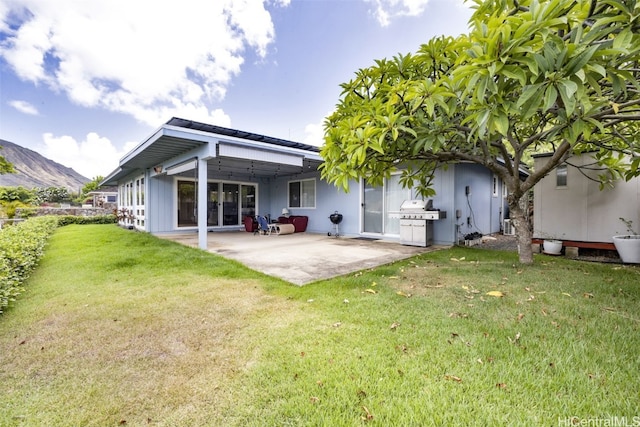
<point x="416" y="205"/>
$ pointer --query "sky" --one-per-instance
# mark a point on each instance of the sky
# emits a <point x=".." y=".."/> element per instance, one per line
<point x="82" y="82"/>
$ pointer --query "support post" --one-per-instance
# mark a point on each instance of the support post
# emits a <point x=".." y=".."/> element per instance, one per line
<point x="202" y="203"/>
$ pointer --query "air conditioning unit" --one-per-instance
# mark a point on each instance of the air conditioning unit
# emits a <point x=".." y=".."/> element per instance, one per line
<point x="507" y="228"/>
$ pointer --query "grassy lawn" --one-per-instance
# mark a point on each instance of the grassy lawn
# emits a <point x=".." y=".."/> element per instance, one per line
<point x="121" y="328"/>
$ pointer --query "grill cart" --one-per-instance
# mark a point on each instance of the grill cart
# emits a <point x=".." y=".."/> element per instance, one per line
<point x="416" y="222"/>
<point x="335" y="219"/>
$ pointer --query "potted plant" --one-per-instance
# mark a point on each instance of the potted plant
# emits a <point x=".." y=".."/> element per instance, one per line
<point x="551" y="245"/>
<point x="628" y="245"/>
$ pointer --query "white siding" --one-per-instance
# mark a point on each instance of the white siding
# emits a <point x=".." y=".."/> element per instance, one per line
<point x="580" y="210"/>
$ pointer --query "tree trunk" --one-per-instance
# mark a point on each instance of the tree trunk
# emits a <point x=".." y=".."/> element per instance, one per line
<point x="519" y="214"/>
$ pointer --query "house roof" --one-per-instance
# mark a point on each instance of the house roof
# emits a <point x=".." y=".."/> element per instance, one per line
<point x="180" y="136"/>
<point x="190" y="124"/>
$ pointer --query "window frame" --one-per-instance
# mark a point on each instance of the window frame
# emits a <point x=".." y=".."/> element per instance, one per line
<point x="562" y="178"/>
<point x="301" y="193"/>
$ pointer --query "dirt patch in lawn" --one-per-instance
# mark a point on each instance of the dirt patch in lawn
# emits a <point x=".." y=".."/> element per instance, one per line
<point x="422" y="279"/>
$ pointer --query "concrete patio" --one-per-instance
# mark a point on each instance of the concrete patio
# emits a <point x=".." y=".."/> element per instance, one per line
<point x="301" y="258"/>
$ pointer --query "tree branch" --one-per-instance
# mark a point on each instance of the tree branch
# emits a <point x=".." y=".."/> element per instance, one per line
<point x="620" y="118"/>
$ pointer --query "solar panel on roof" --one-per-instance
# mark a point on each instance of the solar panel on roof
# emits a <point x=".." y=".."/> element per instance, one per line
<point x="190" y="124"/>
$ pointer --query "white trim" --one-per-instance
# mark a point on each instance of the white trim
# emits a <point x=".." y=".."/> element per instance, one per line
<point x="385" y="212"/>
<point x="219" y="182"/>
<point x="249" y="153"/>
<point x="315" y="193"/>
<point x="182" y="167"/>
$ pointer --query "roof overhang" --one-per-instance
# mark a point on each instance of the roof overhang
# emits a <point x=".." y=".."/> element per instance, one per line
<point x="171" y="148"/>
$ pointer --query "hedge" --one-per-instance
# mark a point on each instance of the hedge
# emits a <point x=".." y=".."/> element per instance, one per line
<point x="21" y="247"/>
<point x="82" y="220"/>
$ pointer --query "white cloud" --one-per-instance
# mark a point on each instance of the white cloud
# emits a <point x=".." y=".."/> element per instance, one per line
<point x="93" y="156"/>
<point x="387" y="10"/>
<point x="24" y="107"/>
<point x="140" y="57"/>
<point x="314" y="132"/>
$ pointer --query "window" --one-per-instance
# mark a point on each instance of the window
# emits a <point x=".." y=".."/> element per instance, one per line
<point x="248" y="200"/>
<point x="302" y="194"/>
<point x="495" y="186"/>
<point x="187" y="208"/>
<point x="138" y="188"/>
<point x="561" y="176"/>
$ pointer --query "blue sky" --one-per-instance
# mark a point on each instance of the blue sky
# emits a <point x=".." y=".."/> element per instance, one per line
<point x="83" y="82"/>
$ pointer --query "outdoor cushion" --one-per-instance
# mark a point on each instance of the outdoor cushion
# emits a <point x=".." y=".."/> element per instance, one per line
<point x="298" y="221"/>
<point x="286" y="228"/>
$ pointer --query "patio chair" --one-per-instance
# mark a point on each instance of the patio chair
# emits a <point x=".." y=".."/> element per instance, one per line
<point x="265" y="227"/>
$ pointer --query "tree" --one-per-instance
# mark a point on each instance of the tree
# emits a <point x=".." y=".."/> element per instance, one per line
<point x="92" y="185"/>
<point x="52" y="194"/>
<point x="5" y="166"/>
<point x="558" y="75"/>
<point x="17" y="194"/>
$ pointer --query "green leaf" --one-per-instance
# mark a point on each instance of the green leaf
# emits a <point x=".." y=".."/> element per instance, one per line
<point x="579" y="127"/>
<point x="482" y="119"/>
<point x="481" y="87"/>
<point x="577" y="62"/>
<point x="530" y="99"/>
<point x="531" y="63"/>
<point x="567" y="89"/>
<point x="501" y="123"/>
<point x="550" y="97"/>
<point x="623" y="39"/>
<point x="515" y="73"/>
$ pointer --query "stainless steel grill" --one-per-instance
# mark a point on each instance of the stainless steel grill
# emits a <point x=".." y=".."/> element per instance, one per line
<point x="416" y="222"/>
<point x="420" y="209"/>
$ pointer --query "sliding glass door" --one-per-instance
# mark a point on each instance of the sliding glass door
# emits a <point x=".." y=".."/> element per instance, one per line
<point x="379" y="202"/>
<point x="213" y="204"/>
<point x="227" y="203"/>
<point x="230" y="202"/>
<point x="372" y="214"/>
<point x="187" y="208"/>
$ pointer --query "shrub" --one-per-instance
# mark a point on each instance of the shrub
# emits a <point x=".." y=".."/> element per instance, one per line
<point x="83" y="220"/>
<point x="9" y="208"/>
<point x="19" y="194"/>
<point x="21" y="246"/>
<point x="27" y="212"/>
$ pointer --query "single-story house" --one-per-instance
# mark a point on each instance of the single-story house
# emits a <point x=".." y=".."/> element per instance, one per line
<point x="247" y="174"/>
<point x="105" y="197"/>
<point x="569" y="205"/>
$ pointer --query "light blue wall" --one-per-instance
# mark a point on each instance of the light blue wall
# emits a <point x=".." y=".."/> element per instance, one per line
<point x="449" y="184"/>
<point x="444" y="185"/>
<point x="479" y="206"/>
<point x="347" y="204"/>
<point x="328" y="200"/>
<point x="160" y="215"/>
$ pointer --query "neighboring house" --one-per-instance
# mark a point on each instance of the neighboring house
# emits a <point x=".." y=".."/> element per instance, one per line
<point x="249" y="174"/>
<point x="106" y="197"/>
<point x="569" y="205"/>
